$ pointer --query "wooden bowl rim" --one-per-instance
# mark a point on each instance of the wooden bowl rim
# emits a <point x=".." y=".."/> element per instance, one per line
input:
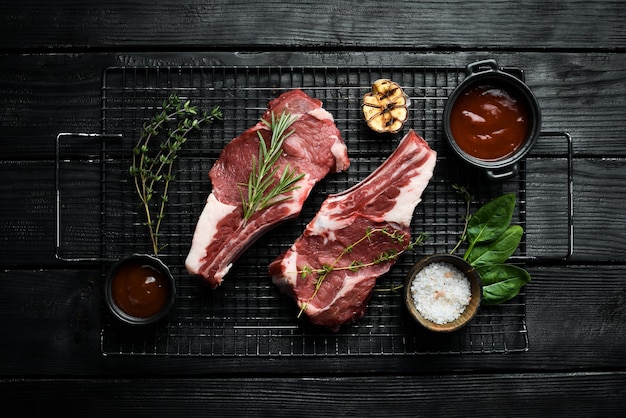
<point x="470" y="311"/>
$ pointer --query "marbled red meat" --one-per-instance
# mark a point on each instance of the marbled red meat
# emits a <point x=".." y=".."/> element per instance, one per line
<point x="386" y="199"/>
<point x="314" y="149"/>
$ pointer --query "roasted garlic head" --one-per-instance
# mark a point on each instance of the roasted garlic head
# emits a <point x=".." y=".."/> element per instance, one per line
<point x="385" y="108"/>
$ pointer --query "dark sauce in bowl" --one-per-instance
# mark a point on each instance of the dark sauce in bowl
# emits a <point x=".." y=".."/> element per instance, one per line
<point x="492" y="120"/>
<point x="140" y="289"/>
<point x="489" y="122"/>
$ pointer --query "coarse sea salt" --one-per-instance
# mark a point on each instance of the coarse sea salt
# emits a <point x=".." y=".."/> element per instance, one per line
<point x="441" y="292"/>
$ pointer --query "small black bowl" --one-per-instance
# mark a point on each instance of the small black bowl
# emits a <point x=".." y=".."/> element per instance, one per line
<point x="139" y="290"/>
<point x="484" y="73"/>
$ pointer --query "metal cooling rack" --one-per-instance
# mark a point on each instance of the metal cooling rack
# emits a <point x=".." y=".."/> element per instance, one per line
<point x="247" y="316"/>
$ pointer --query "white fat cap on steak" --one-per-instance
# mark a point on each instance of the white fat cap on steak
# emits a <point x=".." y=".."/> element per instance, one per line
<point x="289" y="271"/>
<point x="321" y="114"/>
<point x="411" y="193"/>
<point x="213" y="211"/>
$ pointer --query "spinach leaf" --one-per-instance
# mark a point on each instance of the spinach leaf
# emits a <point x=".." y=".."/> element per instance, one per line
<point x="498" y="251"/>
<point x="494" y="273"/>
<point x="492" y="240"/>
<point x="501" y="282"/>
<point x="491" y="220"/>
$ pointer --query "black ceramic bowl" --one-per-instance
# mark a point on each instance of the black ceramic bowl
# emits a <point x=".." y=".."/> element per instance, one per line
<point x="475" y="289"/>
<point x="139" y="290"/>
<point x="487" y="73"/>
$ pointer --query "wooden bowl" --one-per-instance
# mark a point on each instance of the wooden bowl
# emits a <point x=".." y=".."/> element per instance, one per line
<point x="475" y="288"/>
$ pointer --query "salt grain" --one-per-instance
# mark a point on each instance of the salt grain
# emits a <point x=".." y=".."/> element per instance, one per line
<point x="441" y="292"/>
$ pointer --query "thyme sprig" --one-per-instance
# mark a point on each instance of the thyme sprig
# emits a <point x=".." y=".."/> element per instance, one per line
<point x="468" y="201"/>
<point x="355" y="265"/>
<point x="152" y="164"/>
<point x="262" y="190"/>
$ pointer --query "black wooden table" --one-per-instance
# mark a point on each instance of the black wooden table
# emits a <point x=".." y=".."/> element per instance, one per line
<point x="64" y="67"/>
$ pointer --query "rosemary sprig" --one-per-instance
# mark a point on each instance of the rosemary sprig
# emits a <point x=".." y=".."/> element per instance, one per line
<point x="262" y="190"/>
<point x="356" y="265"/>
<point x="152" y="166"/>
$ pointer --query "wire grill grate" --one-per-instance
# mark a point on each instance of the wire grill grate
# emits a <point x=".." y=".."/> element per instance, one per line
<point x="247" y="316"/>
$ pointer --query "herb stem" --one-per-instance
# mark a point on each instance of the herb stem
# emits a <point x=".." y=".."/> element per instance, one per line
<point x="468" y="200"/>
<point x="152" y="169"/>
<point x="354" y="266"/>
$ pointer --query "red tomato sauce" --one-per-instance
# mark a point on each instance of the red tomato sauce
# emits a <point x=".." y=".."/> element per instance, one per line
<point x="140" y="290"/>
<point x="488" y="122"/>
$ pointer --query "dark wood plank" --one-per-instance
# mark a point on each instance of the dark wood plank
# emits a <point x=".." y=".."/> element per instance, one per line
<point x="42" y="95"/>
<point x="521" y="395"/>
<point x="27" y="215"/>
<point x="599" y="223"/>
<point x="451" y="24"/>
<point x="568" y="307"/>
<point x="51" y="321"/>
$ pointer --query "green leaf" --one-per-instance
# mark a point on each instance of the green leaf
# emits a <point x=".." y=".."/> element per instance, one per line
<point x="494" y="273"/>
<point x="355" y="265"/>
<point x="498" y="251"/>
<point x="501" y="282"/>
<point x="491" y="220"/>
<point x="306" y="270"/>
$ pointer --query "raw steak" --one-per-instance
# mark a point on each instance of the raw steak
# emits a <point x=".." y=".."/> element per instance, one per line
<point x="314" y="149"/>
<point x="385" y="200"/>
